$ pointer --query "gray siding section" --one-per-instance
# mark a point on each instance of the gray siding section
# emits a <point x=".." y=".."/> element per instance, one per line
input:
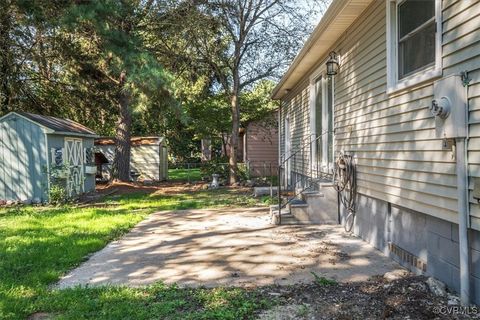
<point x="22" y="160"/>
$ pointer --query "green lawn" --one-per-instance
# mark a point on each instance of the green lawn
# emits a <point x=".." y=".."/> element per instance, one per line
<point x="184" y="174"/>
<point x="39" y="244"/>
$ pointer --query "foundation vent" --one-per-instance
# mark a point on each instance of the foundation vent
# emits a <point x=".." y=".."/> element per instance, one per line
<point x="407" y="257"/>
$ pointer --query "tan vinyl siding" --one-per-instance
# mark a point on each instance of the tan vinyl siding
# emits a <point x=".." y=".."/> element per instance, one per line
<point x="395" y="131"/>
<point x="461" y="51"/>
<point x="298" y="112"/>
<point x="399" y="158"/>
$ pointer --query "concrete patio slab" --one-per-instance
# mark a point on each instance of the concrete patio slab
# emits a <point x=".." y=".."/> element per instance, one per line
<point x="228" y="247"/>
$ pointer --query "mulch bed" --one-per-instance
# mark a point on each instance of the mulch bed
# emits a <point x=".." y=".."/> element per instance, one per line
<point x="407" y="298"/>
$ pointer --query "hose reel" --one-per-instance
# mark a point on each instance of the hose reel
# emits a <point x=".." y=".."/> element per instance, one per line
<point x="345" y="183"/>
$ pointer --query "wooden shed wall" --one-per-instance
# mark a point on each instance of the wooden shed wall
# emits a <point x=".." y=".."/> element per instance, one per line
<point x="144" y="158"/>
<point x="393" y="136"/>
<point x="261" y="143"/>
<point x="22" y="160"/>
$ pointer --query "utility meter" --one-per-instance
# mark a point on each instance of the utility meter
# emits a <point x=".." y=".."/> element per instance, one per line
<point x="449" y="107"/>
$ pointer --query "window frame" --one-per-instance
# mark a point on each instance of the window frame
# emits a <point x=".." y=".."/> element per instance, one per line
<point x="322" y="73"/>
<point x="394" y="84"/>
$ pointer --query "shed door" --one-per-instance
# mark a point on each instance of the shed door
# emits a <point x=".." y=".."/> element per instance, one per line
<point x="74" y="162"/>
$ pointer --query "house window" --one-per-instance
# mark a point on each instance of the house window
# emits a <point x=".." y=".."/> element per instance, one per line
<point x="413" y="42"/>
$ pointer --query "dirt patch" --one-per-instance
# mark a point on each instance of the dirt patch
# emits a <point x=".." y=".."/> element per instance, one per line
<point x="407" y="298"/>
<point x="160" y="188"/>
<point x="97" y="197"/>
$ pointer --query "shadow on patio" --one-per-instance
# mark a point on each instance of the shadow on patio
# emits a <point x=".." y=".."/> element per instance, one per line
<point x="228" y="247"/>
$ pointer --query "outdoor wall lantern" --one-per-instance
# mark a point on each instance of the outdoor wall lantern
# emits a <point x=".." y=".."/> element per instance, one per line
<point x="332" y="64"/>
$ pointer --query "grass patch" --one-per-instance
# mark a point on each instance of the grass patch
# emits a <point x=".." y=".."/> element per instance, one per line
<point x="39" y="244"/>
<point x="184" y="174"/>
<point x="322" y="281"/>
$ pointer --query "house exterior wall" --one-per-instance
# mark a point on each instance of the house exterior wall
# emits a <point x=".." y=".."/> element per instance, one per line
<point x="261" y="148"/>
<point x="406" y="182"/>
<point x="23" y="161"/>
<point x="296" y="110"/>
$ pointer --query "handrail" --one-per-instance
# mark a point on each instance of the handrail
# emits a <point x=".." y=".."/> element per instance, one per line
<point x="309" y="137"/>
<point x="302" y="147"/>
<point x="307" y="181"/>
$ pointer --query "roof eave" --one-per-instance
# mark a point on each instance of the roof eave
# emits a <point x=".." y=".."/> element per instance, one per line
<point x="75" y="134"/>
<point x="337" y="9"/>
<point x="44" y="128"/>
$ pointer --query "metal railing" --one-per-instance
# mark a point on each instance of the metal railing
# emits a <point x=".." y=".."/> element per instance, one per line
<point x="300" y="170"/>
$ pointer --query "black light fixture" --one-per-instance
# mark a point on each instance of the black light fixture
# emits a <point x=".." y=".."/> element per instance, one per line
<point x="332" y="64"/>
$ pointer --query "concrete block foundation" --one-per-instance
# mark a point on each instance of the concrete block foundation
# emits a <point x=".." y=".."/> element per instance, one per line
<point x="417" y="237"/>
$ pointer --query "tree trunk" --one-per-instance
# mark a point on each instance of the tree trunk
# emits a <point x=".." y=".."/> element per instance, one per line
<point x="224" y="144"/>
<point x="5" y="58"/>
<point x="121" y="162"/>
<point x="234" y="138"/>
<point x="206" y="150"/>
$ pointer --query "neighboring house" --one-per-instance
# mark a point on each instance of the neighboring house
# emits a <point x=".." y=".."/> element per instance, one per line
<point x="34" y="147"/>
<point x="149" y="157"/>
<point x="259" y="143"/>
<point x="395" y="57"/>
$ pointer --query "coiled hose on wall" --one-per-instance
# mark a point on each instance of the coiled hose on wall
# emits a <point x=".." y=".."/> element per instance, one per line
<point x="345" y="182"/>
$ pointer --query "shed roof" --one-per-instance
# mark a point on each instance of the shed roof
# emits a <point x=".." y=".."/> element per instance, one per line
<point x="58" y="124"/>
<point x="135" y="141"/>
<point x="55" y="125"/>
<point x="336" y="20"/>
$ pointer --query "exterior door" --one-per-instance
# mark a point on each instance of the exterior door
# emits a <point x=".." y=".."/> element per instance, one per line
<point x="74" y="163"/>
<point x="288" y="152"/>
<point x="322" y="125"/>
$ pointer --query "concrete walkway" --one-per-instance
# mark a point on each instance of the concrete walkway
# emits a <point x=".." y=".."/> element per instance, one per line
<point x="228" y="247"/>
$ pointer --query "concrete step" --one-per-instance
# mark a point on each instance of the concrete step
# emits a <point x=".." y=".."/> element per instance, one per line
<point x="289" y="219"/>
<point x="311" y="194"/>
<point x="298" y="203"/>
<point x="323" y="183"/>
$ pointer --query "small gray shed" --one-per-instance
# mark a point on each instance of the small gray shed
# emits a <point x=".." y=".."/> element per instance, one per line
<point x="148" y="161"/>
<point x="35" y="147"/>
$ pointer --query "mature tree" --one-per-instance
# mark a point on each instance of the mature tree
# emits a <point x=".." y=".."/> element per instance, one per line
<point x="242" y="42"/>
<point x="27" y="76"/>
<point x="37" y="72"/>
<point x="108" y="48"/>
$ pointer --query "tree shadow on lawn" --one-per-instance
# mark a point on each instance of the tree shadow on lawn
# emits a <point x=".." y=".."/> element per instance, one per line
<point x="39" y="244"/>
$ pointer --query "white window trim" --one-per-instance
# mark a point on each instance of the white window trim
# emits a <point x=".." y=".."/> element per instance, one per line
<point x="320" y="72"/>
<point x="393" y="83"/>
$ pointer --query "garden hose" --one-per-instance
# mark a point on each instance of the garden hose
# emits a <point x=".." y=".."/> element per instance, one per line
<point x="345" y="182"/>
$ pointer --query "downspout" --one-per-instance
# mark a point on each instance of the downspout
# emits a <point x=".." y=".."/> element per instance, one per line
<point x="463" y="203"/>
<point x="463" y="220"/>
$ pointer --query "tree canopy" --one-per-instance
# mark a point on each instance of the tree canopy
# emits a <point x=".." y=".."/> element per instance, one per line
<point x="185" y="69"/>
